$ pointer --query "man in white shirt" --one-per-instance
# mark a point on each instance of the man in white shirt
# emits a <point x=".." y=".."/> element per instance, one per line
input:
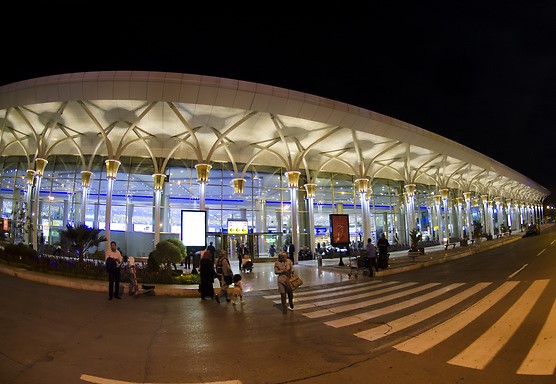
<point x="113" y="261"/>
<point x="371" y="257"/>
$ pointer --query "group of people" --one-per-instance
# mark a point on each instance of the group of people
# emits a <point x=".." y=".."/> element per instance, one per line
<point x="283" y="268"/>
<point x="209" y="270"/>
<point x="113" y="261"/>
<point x="382" y="244"/>
<point x="225" y="276"/>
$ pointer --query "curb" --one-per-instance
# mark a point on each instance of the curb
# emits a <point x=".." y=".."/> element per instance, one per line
<point x="191" y="291"/>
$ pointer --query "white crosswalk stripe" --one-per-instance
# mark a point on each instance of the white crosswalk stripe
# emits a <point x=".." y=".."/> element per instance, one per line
<point x="343" y="299"/>
<point x="416" y="317"/>
<point x="482" y="350"/>
<point x="357" y="303"/>
<point x="350" y="320"/>
<point x="541" y="359"/>
<point x="368" y="303"/>
<point x="438" y="334"/>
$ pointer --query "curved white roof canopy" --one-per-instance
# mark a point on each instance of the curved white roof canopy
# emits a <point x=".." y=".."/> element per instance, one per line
<point x="207" y="119"/>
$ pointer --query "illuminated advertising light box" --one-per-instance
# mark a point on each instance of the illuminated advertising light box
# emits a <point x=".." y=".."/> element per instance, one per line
<point x="238" y="227"/>
<point x="193" y="228"/>
<point x="339" y="230"/>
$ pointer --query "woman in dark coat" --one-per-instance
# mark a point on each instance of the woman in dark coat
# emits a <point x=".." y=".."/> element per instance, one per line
<point x="208" y="274"/>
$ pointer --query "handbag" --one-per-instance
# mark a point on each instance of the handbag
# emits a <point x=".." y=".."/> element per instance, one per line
<point x="295" y="281"/>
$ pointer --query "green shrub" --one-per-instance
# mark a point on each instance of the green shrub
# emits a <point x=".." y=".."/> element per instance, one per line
<point x="191" y="279"/>
<point x="23" y="256"/>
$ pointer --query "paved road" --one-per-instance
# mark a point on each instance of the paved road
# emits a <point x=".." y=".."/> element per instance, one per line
<point x="52" y="334"/>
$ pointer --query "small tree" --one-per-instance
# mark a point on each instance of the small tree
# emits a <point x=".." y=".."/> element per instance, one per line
<point x="167" y="253"/>
<point x="81" y="238"/>
<point x="178" y="243"/>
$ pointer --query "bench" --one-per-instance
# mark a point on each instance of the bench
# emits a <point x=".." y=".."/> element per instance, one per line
<point x="448" y="244"/>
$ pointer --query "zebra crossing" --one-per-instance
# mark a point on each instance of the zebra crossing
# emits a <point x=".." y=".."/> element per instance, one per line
<point x="348" y="305"/>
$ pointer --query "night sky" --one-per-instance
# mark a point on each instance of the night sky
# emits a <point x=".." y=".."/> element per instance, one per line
<point x="481" y="75"/>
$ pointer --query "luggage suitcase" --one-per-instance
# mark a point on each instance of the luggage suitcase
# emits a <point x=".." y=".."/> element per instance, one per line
<point x="383" y="261"/>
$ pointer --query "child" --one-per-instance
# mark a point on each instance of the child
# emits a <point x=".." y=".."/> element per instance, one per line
<point x="238" y="289"/>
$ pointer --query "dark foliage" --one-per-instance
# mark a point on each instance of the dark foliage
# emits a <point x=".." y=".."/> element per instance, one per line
<point x="22" y="256"/>
<point x="79" y="239"/>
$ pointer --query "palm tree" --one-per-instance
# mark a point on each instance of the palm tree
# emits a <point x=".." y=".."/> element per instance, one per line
<point x="415" y="238"/>
<point x="81" y="238"/>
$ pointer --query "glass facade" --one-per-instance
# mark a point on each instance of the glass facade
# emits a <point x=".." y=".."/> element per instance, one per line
<point x="264" y="203"/>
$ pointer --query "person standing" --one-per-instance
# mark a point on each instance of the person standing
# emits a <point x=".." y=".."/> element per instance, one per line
<point x="212" y="251"/>
<point x="383" y="245"/>
<point x="371" y="256"/>
<point x="113" y="261"/>
<point x="240" y="254"/>
<point x="283" y="269"/>
<point x="225" y="275"/>
<point x="291" y="251"/>
<point x="208" y="274"/>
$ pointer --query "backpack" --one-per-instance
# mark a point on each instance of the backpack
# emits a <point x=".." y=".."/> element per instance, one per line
<point x="111" y="264"/>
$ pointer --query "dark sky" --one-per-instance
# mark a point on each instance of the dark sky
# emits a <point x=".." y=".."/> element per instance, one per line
<point x="481" y="75"/>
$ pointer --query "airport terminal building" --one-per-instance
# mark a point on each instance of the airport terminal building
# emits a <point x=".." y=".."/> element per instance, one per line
<point x="130" y="152"/>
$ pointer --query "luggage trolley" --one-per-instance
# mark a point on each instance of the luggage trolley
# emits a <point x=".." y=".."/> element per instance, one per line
<point x="133" y="286"/>
<point x="353" y="267"/>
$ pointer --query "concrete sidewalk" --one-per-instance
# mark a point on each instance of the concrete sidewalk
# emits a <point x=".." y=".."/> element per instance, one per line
<point x="262" y="277"/>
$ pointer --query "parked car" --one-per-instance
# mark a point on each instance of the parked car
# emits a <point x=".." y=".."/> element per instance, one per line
<point x="532" y="230"/>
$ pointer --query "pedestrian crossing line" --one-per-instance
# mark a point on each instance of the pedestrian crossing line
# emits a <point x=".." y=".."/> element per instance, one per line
<point x="541" y="359"/>
<point x="367" y="303"/>
<point x="323" y="294"/>
<point x="351" y="297"/>
<point x="406" y="321"/>
<point x="441" y="332"/>
<point x="482" y="351"/>
<point x="359" y="318"/>
<point x="332" y="289"/>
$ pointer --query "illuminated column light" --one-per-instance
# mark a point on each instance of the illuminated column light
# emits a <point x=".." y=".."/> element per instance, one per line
<point x="239" y="185"/>
<point x="410" y="190"/>
<point x="158" y="179"/>
<point x="467" y="197"/>
<point x="437" y="202"/>
<point x="85" y="188"/>
<point x="362" y="187"/>
<point x="293" y="184"/>
<point x="444" y="194"/>
<point x="30" y="182"/>
<point x="311" y="191"/>
<point x="203" y="171"/>
<point x="459" y="201"/>
<point x="112" y="166"/>
<point x="498" y="201"/>
<point x="40" y="165"/>
<point x="484" y="199"/>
